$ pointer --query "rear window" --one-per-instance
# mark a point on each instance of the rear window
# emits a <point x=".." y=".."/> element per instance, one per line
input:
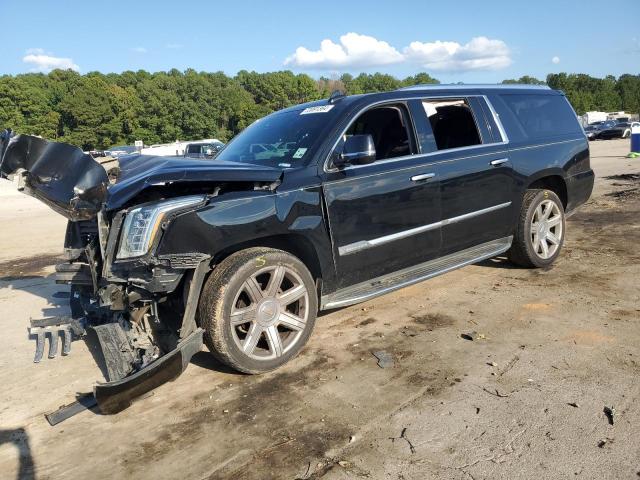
<point x="542" y="116"/>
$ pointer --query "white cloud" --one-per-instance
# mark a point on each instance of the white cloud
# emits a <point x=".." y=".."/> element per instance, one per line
<point x="45" y="62"/>
<point x="555" y="60"/>
<point x="139" y="50"/>
<point x="481" y="53"/>
<point x="360" y="51"/>
<point x="354" y="50"/>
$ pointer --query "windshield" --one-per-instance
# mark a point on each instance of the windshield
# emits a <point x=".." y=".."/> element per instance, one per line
<point x="282" y="139"/>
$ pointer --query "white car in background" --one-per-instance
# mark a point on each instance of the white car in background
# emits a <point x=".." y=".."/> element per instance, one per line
<point x="175" y="149"/>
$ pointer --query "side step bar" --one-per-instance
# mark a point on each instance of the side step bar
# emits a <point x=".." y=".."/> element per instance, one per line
<point x="414" y="274"/>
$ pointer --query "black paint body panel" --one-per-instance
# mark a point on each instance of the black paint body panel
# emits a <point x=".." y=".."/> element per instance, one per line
<point x="326" y="214"/>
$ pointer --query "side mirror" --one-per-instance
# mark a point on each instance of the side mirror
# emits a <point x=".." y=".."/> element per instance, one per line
<point x="357" y="150"/>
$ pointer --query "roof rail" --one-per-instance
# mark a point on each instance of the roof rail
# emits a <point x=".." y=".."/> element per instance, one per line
<point x="456" y="86"/>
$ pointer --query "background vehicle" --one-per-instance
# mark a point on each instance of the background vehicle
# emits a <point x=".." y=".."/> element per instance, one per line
<point x="203" y="149"/>
<point x="596" y="127"/>
<point x="591" y="131"/>
<point x="615" y="130"/>
<point x="176" y="148"/>
<point x="372" y="193"/>
<point x="120" y="150"/>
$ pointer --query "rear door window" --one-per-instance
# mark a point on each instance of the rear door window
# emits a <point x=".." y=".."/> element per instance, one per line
<point x="453" y="123"/>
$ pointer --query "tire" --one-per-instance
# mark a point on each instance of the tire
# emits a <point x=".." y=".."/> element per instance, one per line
<point x="626" y="134"/>
<point x="537" y="241"/>
<point x="246" y="311"/>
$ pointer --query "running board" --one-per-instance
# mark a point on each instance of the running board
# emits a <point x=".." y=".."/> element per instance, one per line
<point x="408" y="276"/>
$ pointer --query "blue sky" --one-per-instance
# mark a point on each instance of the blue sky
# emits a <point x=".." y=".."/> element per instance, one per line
<point x="459" y="40"/>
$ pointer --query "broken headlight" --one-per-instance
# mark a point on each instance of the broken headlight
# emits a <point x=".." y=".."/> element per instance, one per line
<point x="142" y="224"/>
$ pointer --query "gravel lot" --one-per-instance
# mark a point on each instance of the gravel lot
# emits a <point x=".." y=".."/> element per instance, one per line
<point x="525" y="401"/>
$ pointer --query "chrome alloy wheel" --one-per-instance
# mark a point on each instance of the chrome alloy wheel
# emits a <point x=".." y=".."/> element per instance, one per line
<point x="269" y="313"/>
<point x="546" y="229"/>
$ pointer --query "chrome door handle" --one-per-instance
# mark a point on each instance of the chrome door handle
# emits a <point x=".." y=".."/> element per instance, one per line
<point x="424" y="176"/>
<point x="498" y="162"/>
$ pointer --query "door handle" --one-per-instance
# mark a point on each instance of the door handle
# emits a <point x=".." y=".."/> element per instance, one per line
<point x="498" y="162"/>
<point x="424" y="176"/>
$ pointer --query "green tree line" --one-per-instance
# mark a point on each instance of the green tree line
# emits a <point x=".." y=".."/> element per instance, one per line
<point x="96" y="110"/>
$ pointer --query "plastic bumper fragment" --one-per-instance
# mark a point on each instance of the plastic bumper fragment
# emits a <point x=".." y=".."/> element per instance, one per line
<point x="113" y="397"/>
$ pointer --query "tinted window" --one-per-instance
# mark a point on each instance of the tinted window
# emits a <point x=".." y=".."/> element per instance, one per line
<point x="542" y="116"/>
<point x="452" y="122"/>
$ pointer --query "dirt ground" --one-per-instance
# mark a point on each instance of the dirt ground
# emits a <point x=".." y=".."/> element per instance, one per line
<point x="525" y="401"/>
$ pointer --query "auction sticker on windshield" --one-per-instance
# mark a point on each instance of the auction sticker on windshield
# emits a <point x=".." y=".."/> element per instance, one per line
<point x="299" y="153"/>
<point x="320" y="109"/>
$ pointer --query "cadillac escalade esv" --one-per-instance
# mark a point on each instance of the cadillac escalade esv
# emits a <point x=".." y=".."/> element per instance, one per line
<point x="314" y="207"/>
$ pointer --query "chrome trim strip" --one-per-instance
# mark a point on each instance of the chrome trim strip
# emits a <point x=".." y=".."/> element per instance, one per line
<point x="326" y="303"/>
<point x="466" y="216"/>
<point x="365" y="244"/>
<point x="412" y="167"/>
<point x="418" y="156"/>
<point x="548" y="144"/>
<point x="422" y="155"/>
<point x="347" y="156"/>
<point x="326" y="168"/>
<point x="496" y="118"/>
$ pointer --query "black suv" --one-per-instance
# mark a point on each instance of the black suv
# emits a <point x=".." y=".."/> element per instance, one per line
<point x="349" y="198"/>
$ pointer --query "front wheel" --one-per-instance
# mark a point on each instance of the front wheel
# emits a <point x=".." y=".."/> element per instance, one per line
<point x="258" y="309"/>
<point x="539" y="234"/>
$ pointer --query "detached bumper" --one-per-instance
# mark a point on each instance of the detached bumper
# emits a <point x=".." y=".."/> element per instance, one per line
<point x="140" y="349"/>
<point x="113" y="397"/>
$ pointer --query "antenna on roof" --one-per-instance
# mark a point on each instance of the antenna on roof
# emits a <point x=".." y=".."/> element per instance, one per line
<point x="336" y="95"/>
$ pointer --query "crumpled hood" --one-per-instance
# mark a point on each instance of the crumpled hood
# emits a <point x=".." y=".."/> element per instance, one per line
<point x="138" y="172"/>
<point x="60" y="175"/>
<point x="77" y="187"/>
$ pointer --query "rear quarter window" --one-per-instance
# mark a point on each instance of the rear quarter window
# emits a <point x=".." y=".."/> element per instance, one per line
<point x="537" y="117"/>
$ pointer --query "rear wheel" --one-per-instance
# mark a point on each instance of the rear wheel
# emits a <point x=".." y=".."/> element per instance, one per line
<point x="258" y="309"/>
<point x="540" y="231"/>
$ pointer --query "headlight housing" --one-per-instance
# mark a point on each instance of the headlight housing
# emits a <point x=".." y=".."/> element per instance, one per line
<point x="141" y="224"/>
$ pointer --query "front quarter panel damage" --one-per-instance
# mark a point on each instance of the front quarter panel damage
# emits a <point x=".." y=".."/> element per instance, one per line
<point x="260" y="218"/>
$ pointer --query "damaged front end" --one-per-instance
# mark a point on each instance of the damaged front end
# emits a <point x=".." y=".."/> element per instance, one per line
<point x="140" y="307"/>
<point x="140" y="311"/>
